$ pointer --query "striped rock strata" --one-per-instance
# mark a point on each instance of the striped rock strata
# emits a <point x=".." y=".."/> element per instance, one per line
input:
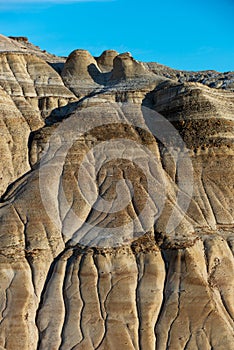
<point x="117" y="211"/>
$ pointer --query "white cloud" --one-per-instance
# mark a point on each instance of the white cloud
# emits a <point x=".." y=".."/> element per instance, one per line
<point x="14" y="5"/>
<point x="49" y="1"/>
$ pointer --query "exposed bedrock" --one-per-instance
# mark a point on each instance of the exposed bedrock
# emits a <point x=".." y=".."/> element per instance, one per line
<point x="105" y="61"/>
<point x="117" y="210"/>
<point x="124" y="66"/>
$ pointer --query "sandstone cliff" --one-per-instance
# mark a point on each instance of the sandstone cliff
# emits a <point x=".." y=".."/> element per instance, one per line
<point x="117" y="210"/>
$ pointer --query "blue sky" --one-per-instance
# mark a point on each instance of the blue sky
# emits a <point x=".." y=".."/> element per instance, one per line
<point x="183" y="34"/>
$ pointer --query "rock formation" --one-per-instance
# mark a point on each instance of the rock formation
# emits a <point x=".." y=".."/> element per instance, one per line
<point x="105" y="61"/>
<point x="117" y="210"/>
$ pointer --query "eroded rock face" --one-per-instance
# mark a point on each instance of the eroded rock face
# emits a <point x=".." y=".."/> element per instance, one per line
<point x="117" y="228"/>
<point x="79" y="72"/>
<point x="105" y="61"/>
<point x="22" y="44"/>
<point x="14" y="131"/>
<point x="35" y="87"/>
<point x="124" y="66"/>
<point x="210" y="78"/>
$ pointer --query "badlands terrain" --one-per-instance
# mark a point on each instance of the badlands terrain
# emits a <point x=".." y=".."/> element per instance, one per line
<point x="117" y="203"/>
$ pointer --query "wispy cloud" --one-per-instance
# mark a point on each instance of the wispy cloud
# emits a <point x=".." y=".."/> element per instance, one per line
<point x="21" y="2"/>
<point x="10" y="5"/>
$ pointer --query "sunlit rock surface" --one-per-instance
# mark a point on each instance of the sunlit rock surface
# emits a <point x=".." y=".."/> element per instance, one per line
<point x="116" y="212"/>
